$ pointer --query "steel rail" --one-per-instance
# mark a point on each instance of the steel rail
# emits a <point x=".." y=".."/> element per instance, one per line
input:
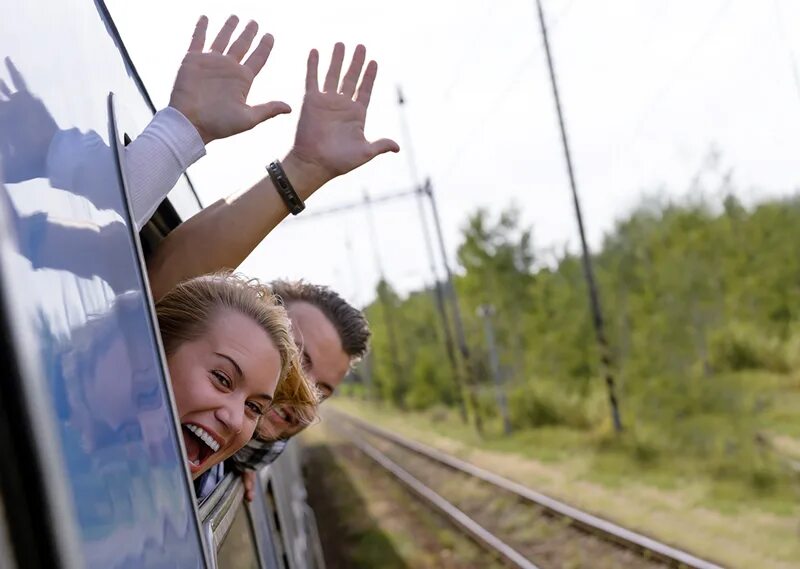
<point x="466" y="524"/>
<point x="588" y="522"/>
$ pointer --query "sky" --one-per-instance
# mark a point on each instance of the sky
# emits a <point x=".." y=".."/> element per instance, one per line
<point x="654" y="92"/>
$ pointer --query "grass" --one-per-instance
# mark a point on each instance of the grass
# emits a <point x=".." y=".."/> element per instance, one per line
<point x="712" y="510"/>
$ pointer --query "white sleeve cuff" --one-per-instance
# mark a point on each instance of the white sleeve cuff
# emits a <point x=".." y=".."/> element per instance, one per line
<point x="156" y="159"/>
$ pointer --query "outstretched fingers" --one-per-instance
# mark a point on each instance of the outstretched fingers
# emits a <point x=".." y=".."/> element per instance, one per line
<point x="4" y="90"/>
<point x="240" y="47"/>
<point x="312" y="84"/>
<point x="199" y="35"/>
<point x="351" y="77"/>
<point x="335" y="69"/>
<point x="260" y="54"/>
<point x="365" y="89"/>
<point x="224" y="35"/>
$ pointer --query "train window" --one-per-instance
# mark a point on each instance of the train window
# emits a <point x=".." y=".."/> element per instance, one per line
<point x="260" y="518"/>
<point x="238" y="549"/>
<point x="227" y="526"/>
<point x="80" y="289"/>
<point x="275" y="524"/>
<point x="289" y="498"/>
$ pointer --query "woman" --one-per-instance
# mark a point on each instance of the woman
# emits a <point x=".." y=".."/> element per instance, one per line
<point x="230" y="355"/>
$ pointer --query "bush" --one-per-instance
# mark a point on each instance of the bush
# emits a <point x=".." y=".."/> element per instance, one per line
<point x="429" y="383"/>
<point x="544" y="403"/>
<point x="741" y="347"/>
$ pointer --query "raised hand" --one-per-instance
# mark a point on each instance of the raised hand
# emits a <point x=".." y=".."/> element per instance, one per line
<point x="330" y="133"/>
<point x="211" y="87"/>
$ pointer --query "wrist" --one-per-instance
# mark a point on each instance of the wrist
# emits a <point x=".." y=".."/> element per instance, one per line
<point x="305" y="175"/>
<point x="189" y="116"/>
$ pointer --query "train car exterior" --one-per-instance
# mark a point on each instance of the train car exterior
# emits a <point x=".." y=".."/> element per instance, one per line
<point x="93" y="471"/>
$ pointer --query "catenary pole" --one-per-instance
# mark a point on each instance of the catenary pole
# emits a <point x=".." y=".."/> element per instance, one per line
<point x="438" y="292"/>
<point x="457" y="321"/>
<point x="594" y="297"/>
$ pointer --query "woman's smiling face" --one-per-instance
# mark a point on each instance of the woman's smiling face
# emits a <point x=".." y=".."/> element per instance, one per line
<point x="223" y="384"/>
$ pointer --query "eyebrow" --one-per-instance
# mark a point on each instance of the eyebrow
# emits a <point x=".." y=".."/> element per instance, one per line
<point x="266" y="396"/>
<point x="233" y="363"/>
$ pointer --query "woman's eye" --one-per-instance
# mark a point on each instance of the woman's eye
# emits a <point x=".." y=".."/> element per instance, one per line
<point x="255" y="408"/>
<point x="221" y="378"/>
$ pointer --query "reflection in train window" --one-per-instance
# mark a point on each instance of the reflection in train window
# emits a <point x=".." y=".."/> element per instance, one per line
<point x="238" y="550"/>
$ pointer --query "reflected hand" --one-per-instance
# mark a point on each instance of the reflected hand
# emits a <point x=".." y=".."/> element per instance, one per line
<point x="249" y="482"/>
<point x="330" y="133"/>
<point x="26" y="129"/>
<point x="211" y="87"/>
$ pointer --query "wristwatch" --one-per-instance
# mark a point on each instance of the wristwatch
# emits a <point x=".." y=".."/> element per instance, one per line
<point x="284" y="188"/>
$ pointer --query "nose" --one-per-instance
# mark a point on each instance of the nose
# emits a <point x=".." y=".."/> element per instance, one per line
<point x="231" y="414"/>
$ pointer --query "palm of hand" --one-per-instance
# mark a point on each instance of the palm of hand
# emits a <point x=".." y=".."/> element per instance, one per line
<point x="330" y="133"/>
<point x="211" y="88"/>
<point x="211" y="91"/>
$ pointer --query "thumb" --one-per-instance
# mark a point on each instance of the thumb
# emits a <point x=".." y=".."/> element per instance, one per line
<point x="382" y="146"/>
<point x="266" y="111"/>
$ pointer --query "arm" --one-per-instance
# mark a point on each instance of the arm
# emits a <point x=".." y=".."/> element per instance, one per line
<point x="238" y="223"/>
<point x="156" y="160"/>
<point x="329" y="142"/>
<point x="208" y="102"/>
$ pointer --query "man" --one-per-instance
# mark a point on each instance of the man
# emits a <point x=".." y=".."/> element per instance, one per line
<point x="332" y="335"/>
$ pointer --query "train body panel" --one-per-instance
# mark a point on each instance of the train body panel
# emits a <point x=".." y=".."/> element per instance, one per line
<point x="91" y="447"/>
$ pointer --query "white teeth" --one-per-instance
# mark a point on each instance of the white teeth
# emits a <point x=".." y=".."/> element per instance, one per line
<point x="204" y="436"/>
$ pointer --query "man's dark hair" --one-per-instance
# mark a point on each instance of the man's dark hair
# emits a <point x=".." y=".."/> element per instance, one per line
<point x="350" y="323"/>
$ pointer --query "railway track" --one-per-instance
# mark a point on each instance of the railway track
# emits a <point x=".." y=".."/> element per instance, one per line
<point x="524" y="528"/>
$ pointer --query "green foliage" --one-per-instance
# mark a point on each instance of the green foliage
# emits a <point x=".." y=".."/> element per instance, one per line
<point x="742" y="347"/>
<point x="548" y="404"/>
<point x="696" y="296"/>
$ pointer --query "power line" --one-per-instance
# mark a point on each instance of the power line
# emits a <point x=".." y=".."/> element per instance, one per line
<point x="677" y="70"/>
<point x="792" y="58"/>
<point x="381" y="199"/>
<point x="511" y="84"/>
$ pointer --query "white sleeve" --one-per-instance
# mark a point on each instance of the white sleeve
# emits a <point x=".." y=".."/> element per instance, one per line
<point x="156" y="159"/>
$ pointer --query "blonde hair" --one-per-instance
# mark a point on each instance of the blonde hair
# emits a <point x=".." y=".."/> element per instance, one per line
<point x="185" y="312"/>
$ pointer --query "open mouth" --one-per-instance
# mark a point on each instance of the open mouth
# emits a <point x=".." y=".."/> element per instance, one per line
<point x="200" y="445"/>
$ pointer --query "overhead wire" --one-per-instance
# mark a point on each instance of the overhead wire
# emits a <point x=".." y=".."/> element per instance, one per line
<point x="677" y="70"/>
<point x="511" y="85"/>
<point x="790" y="49"/>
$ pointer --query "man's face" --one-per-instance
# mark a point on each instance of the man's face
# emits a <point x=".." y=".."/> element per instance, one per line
<point x="324" y="361"/>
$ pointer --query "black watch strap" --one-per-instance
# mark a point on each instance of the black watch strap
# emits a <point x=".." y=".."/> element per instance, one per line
<point x="284" y="188"/>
